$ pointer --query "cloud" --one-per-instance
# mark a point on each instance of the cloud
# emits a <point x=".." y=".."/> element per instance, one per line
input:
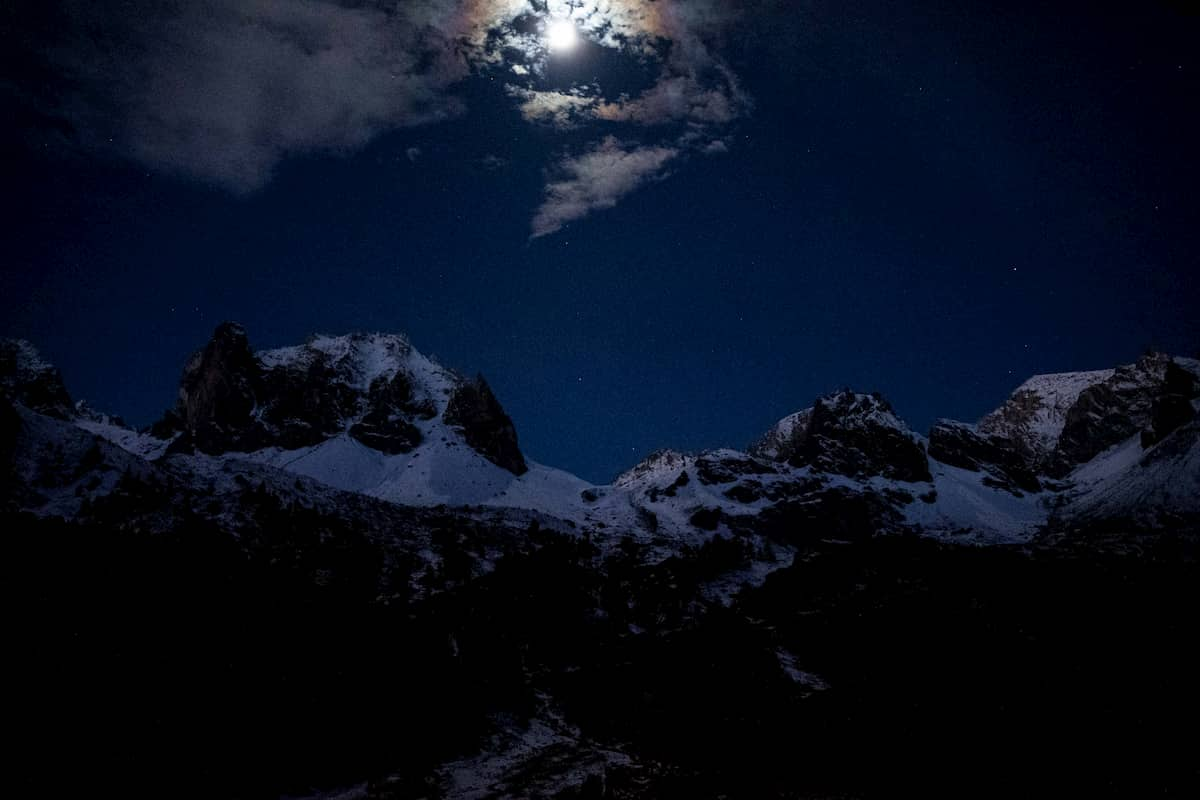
<point x="224" y="91"/>
<point x="560" y="109"/>
<point x="597" y="179"/>
<point x="675" y="98"/>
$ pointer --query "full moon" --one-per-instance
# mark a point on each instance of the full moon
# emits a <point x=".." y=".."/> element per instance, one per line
<point x="561" y="34"/>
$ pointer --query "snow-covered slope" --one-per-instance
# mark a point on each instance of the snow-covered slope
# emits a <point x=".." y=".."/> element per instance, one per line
<point x="966" y="508"/>
<point x="441" y="471"/>
<point x="1138" y="483"/>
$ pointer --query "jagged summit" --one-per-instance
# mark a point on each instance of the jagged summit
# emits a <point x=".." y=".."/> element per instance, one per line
<point x="360" y="359"/>
<point x="780" y="442"/>
<point x="847" y="433"/>
<point x="372" y="387"/>
<point x="656" y="465"/>
<point x="1060" y="421"/>
<point x="27" y="378"/>
<point x="1034" y="415"/>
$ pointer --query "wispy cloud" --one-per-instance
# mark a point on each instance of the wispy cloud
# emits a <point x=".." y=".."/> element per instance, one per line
<point x="560" y="109"/>
<point x="597" y="179"/>
<point x="224" y="90"/>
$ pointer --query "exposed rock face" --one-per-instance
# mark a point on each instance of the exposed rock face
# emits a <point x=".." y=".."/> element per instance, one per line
<point x="1174" y="408"/>
<point x="725" y="467"/>
<point x="382" y="428"/>
<point x="488" y="430"/>
<point x="1057" y="422"/>
<point x="372" y="387"/>
<point x="784" y="439"/>
<point x="851" y="434"/>
<point x="1034" y="415"/>
<point x="217" y="394"/>
<point x="660" y="462"/>
<point x="230" y="401"/>
<point x="1152" y="395"/>
<point x="961" y="445"/>
<point x="27" y="379"/>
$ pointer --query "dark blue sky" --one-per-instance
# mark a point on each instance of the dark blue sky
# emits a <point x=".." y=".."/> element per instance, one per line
<point x="932" y="200"/>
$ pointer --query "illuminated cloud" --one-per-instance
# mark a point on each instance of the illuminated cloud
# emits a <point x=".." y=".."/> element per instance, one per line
<point x="561" y="109"/>
<point x="226" y="90"/>
<point x="597" y="179"/>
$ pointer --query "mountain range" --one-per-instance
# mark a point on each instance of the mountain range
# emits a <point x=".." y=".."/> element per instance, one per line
<point x="361" y="470"/>
<point x="370" y="415"/>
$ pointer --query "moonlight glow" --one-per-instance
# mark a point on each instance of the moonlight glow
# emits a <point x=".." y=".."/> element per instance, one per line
<point x="561" y="34"/>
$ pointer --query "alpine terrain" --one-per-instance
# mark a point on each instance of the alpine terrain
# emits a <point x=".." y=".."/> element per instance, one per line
<point x="329" y="570"/>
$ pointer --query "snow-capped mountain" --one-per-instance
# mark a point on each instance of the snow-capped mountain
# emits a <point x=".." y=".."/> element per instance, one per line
<point x="850" y="434"/>
<point x="1059" y="422"/>
<point x="375" y="389"/>
<point x="368" y="414"/>
<point x="350" y="529"/>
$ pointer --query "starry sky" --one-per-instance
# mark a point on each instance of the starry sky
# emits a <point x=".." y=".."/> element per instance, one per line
<point x="670" y="232"/>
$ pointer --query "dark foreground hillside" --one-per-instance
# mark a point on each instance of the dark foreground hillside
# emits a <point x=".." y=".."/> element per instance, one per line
<point x="189" y="664"/>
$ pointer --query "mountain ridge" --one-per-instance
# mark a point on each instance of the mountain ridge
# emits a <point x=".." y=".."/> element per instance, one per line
<point x="368" y="413"/>
<point x="534" y="631"/>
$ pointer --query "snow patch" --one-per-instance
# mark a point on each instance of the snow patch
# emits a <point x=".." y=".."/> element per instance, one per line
<point x="966" y="507"/>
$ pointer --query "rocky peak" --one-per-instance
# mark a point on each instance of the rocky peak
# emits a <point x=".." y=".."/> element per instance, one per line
<point x="374" y="387"/>
<point x="365" y="360"/>
<point x="26" y="378"/>
<point x="218" y="393"/>
<point x="1151" y="396"/>
<point x="848" y="433"/>
<point x="657" y="466"/>
<point x="474" y="410"/>
<point x="1057" y="422"/>
<point x="784" y="438"/>
<point x="1034" y="415"/>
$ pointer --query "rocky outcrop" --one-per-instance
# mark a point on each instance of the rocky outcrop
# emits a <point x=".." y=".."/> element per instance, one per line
<point x="385" y="426"/>
<point x="851" y="434"/>
<point x="373" y="388"/>
<point x="1174" y="407"/>
<point x="657" y="465"/>
<point x="726" y="466"/>
<point x="475" y="411"/>
<point x="217" y="394"/>
<point x="961" y="445"/>
<point x="1058" y="422"/>
<point x="1152" y="396"/>
<point x="1033" y="417"/>
<point x="784" y="439"/>
<point x="229" y="401"/>
<point x="27" y="379"/>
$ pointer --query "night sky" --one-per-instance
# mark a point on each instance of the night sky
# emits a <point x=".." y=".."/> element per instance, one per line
<point x="671" y="234"/>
